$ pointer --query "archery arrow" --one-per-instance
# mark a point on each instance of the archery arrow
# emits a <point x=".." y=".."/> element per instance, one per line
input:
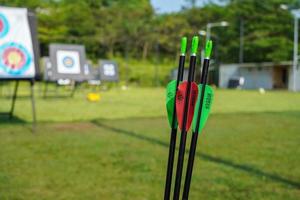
<point x="186" y="105"/>
<point x="171" y="111"/>
<point x="206" y="95"/>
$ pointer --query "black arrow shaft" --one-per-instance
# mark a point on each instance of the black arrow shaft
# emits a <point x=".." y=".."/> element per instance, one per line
<point x="193" y="146"/>
<point x="182" y="145"/>
<point x="173" y="134"/>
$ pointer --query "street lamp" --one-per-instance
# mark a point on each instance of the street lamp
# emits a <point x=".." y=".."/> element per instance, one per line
<point x="209" y="26"/>
<point x="284" y="7"/>
<point x="207" y="33"/>
<point x="296" y="14"/>
<point x="202" y="32"/>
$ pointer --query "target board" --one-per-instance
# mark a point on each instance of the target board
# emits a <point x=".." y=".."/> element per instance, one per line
<point x="91" y="72"/>
<point x="67" y="62"/>
<point x="108" y="71"/>
<point x="18" y="44"/>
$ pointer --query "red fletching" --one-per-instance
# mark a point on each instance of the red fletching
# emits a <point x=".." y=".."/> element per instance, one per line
<point x="180" y="99"/>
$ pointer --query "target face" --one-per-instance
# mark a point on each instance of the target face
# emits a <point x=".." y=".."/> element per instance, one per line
<point x="68" y="62"/>
<point x="109" y="70"/>
<point x="14" y="59"/>
<point x="17" y="47"/>
<point x="4" y="26"/>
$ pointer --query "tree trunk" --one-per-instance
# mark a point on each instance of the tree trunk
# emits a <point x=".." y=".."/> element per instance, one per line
<point x="111" y="50"/>
<point x="145" y="50"/>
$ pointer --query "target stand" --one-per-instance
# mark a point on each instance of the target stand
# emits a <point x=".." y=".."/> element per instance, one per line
<point x="66" y="65"/>
<point x="19" y="52"/>
<point x="50" y="79"/>
<point x="14" y="97"/>
<point x="59" y="83"/>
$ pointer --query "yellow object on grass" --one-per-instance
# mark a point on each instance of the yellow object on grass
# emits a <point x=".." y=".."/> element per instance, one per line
<point x="93" y="97"/>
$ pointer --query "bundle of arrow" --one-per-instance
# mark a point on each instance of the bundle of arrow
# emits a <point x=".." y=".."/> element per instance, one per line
<point x="187" y="104"/>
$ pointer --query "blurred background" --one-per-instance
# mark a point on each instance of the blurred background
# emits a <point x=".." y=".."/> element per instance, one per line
<point x="102" y="133"/>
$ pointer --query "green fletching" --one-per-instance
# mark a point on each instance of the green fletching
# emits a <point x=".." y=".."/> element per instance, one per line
<point x="183" y="45"/>
<point x="208" y="48"/>
<point x="170" y="101"/>
<point x="207" y="101"/>
<point x="195" y="42"/>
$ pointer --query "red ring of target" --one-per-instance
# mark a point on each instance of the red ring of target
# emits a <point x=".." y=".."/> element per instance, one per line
<point x="4" y="26"/>
<point x="14" y="58"/>
<point x="1" y="26"/>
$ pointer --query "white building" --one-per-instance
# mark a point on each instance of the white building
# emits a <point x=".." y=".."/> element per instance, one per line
<point x="267" y="75"/>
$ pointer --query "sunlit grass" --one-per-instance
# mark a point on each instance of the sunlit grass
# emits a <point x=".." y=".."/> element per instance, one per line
<point x="117" y="148"/>
<point x="140" y="102"/>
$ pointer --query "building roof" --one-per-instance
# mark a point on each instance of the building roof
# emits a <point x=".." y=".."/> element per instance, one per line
<point x="261" y="64"/>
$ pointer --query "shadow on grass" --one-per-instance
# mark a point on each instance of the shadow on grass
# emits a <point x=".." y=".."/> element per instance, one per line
<point x="6" y="119"/>
<point x="49" y="97"/>
<point x="243" y="167"/>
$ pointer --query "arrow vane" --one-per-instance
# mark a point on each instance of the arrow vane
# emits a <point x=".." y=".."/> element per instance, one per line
<point x="207" y="101"/>
<point x="180" y="100"/>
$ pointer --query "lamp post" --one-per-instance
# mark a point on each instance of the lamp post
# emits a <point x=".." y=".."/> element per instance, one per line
<point x="202" y="33"/>
<point x="209" y="26"/>
<point x="207" y="33"/>
<point x="296" y="15"/>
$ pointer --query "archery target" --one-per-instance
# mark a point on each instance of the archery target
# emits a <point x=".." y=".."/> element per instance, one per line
<point x="16" y="48"/>
<point x="68" y="62"/>
<point x="108" y="70"/>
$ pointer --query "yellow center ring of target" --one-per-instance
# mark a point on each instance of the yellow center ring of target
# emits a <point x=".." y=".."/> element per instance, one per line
<point x="14" y="58"/>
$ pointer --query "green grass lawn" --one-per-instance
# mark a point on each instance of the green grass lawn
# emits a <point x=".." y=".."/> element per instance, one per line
<point x="117" y="148"/>
<point x="139" y="102"/>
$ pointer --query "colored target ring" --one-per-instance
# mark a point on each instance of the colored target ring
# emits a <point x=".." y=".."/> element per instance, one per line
<point x="14" y="58"/>
<point x="68" y="62"/>
<point x="4" y="26"/>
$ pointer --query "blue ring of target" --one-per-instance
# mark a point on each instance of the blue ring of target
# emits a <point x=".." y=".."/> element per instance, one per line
<point x="5" y="23"/>
<point x="66" y="60"/>
<point x="22" y="69"/>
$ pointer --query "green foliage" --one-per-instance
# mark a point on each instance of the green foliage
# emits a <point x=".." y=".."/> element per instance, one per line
<point x="109" y="28"/>
<point x="131" y="29"/>
<point x="267" y="30"/>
